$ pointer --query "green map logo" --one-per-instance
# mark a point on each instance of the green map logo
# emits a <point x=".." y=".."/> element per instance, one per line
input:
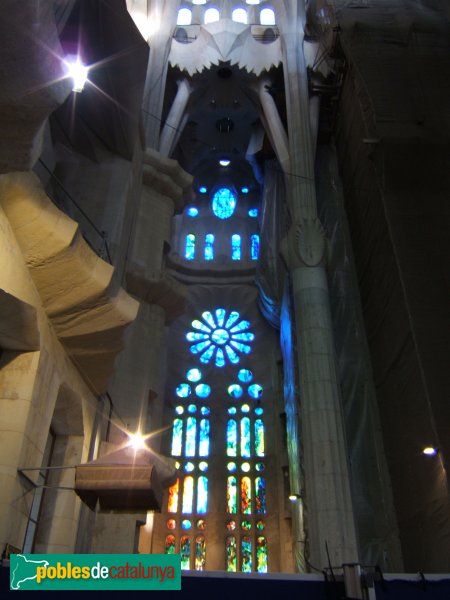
<point x="95" y="572"/>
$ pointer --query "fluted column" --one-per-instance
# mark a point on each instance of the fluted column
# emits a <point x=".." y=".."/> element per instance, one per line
<point x="172" y="126"/>
<point x="274" y="125"/>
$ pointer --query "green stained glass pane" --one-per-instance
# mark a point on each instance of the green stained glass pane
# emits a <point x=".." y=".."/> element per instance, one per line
<point x="255" y="390"/>
<point x="254" y="249"/>
<point x="260" y="467"/>
<point x="170" y="544"/>
<point x="171" y="524"/>
<point x="177" y="437"/>
<point x="185" y="552"/>
<point x="235" y="247"/>
<point x="231" y="495"/>
<point x="245" y="467"/>
<point x="245" y="437"/>
<point x="188" y="495"/>
<point x="245" y="408"/>
<point x="261" y="554"/>
<point x="200" y="553"/>
<point x="260" y="525"/>
<point x="246" y="554"/>
<point x="203" y="390"/>
<point x="223" y="203"/>
<point x="259" y="437"/>
<point x="231" y="466"/>
<point x="202" y="495"/>
<point x="231" y="554"/>
<point x="241" y="347"/>
<point x="260" y="496"/>
<point x="231" y="438"/>
<point x="246" y="525"/>
<point x="191" y="429"/>
<point x="246" y="496"/>
<point x="203" y="446"/>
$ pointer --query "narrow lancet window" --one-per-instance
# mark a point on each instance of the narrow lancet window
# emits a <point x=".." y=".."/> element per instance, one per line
<point x="189" y="252"/>
<point x="236" y="247"/>
<point x="209" y="246"/>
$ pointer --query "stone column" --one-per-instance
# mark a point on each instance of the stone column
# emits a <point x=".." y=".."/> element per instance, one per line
<point x="273" y="125"/>
<point x="327" y="500"/>
<point x="172" y="126"/>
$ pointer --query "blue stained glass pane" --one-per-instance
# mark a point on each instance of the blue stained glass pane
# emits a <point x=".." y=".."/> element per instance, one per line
<point x="259" y="437"/>
<point x="177" y="436"/>
<point x="231" y="466"/>
<point x="194" y="375"/>
<point x="245" y="437"/>
<point x="243" y="337"/>
<point x="203" y="446"/>
<point x="220" y="336"/>
<point x="235" y="390"/>
<point x="240" y="326"/>
<point x="192" y="336"/>
<point x="186" y="524"/>
<point x="205" y="410"/>
<point x="196" y="348"/>
<point x="220" y="358"/>
<point x="202" y="495"/>
<point x="202" y="189"/>
<point x="231" y="495"/>
<point x="244" y="375"/>
<point x="223" y="203"/>
<point x="185" y="552"/>
<point x="244" y="190"/>
<point x="206" y="356"/>
<point x="209" y="319"/>
<point x="203" y="466"/>
<point x="254" y="247"/>
<point x="220" y="316"/>
<point x="199" y="325"/>
<point x="191" y="428"/>
<point x="246" y="555"/>
<point x="189" y="467"/>
<point x="259" y="411"/>
<point x="241" y="347"/>
<point x="192" y="211"/>
<point x="183" y="390"/>
<point x="202" y="390"/>
<point x="232" y="356"/>
<point x="255" y="390"/>
<point x="179" y="410"/>
<point x="253" y="212"/>
<point x="259" y="467"/>
<point x="232" y="410"/>
<point x="188" y="494"/>
<point x="232" y="318"/>
<point x="231" y="554"/>
<point x="209" y="246"/>
<point x="235" y="247"/>
<point x="192" y="408"/>
<point x="245" y="408"/>
<point x="189" y="252"/>
<point x="231" y="438"/>
<point x="260" y="496"/>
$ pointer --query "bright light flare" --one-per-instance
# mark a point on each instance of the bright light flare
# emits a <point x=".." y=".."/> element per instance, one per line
<point x="430" y="451"/>
<point x="79" y="74"/>
<point x="137" y="441"/>
<point x="224" y="162"/>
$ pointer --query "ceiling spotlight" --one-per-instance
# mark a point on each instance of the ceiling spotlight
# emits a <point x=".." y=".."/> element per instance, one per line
<point x="430" y="451"/>
<point x="79" y="74"/>
<point x="224" y="162"/>
<point x="136" y="440"/>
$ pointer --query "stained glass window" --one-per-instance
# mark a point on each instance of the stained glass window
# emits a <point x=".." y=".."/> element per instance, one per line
<point x="231" y="438"/>
<point x="191" y="428"/>
<point x="201" y="524"/>
<point x="202" y="390"/>
<point x="224" y="203"/>
<point x="185" y="552"/>
<point x="261" y="554"/>
<point x="236" y="247"/>
<point x="245" y="437"/>
<point x="186" y="524"/>
<point x="255" y="390"/>
<point x="200" y="553"/>
<point x="192" y="211"/>
<point x="202" y="495"/>
<point x="183" y="390"/>
<point x="194" y="375"/>
<point x="254" y="247"/>
<point x="177" y="437"/>
<point x="189" y="467"/>
<point x="172" y="504"/>
<point x="189" y="252"/>
<point x="203" y="466"/>
<point x="246" y="496"/>
<point x="231" y="495"/>
<point x="231" y="466"/>
<point x="203" y="446"/>
<point x="239" y="15"/>
<point x="253" y="212"/>
<point x="235" y="390"/>
<point x="246" y="554"/>
<point x="211" y="15"/>
<point x="260" y="496"/>
<point x="245" y="467"/>
<point x="231" y="554"/>
<point x="209" y="246"/>
<point x="188" y="495"/>
<point x="245" y="375"/>
<point x="259" y="437"/>
<point x="246" y="525"/>
<point x="170" y="544"/>
<point x="184" y="16"/>
<point x="171" y="524"/>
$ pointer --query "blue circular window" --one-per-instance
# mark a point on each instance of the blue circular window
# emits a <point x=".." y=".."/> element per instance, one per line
<point x="223" y="203"/>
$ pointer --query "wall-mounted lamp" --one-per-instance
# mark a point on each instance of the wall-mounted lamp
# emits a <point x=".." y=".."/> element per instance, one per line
<point x="224" y="162"/>
<point x="294" y="497"/>
<point x="430" y="451"/>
